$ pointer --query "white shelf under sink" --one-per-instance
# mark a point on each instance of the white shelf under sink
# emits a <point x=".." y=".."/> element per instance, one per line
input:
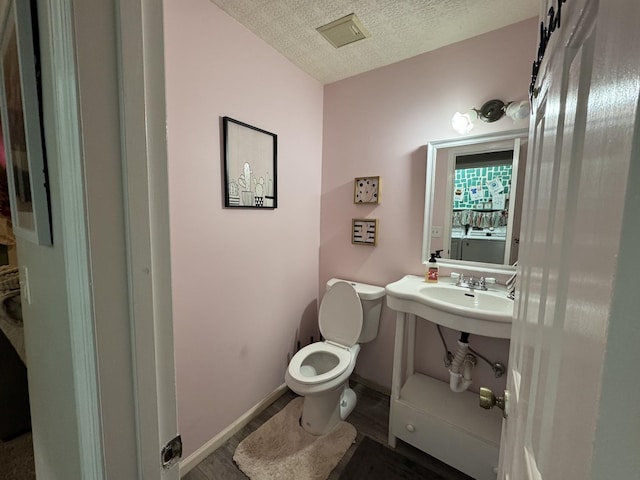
<point x="449" y="426"/>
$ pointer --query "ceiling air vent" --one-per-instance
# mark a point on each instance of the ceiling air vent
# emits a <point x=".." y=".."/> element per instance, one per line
<point x="343" y="31"/>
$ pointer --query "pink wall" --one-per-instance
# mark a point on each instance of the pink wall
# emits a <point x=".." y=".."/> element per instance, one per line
<point x="378" y="123"/>
<point x="243" y="281"/>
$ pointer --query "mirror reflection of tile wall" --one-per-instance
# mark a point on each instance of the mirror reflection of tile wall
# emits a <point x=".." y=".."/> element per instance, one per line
<point x="467" y="178"/>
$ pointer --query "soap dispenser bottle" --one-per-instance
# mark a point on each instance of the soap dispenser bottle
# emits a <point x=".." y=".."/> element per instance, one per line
<point x="432" y="270"/>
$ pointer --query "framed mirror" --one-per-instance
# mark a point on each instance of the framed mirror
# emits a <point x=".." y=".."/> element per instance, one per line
<point x="473" y="200"/>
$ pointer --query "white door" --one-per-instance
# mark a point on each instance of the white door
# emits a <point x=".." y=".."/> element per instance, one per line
<point x="580" y="148"/>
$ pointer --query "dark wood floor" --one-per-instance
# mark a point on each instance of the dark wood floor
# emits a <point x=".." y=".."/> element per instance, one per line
<point x="370" y="417"/>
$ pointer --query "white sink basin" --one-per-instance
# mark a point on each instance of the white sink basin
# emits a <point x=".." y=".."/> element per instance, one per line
<point x="487" y="313"/>
<point x="480" y="304"/>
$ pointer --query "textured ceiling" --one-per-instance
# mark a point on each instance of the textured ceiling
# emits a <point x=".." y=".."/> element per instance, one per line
<point x="399" y="29"/>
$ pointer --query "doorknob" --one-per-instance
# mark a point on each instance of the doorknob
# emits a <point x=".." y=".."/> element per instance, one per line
<point x="488" y="400"/>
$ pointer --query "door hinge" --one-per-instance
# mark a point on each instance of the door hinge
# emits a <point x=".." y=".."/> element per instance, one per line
<point x="171" y="452"/>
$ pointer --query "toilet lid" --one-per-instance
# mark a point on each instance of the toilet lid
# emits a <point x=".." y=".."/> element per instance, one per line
<point x="340" y="316"/>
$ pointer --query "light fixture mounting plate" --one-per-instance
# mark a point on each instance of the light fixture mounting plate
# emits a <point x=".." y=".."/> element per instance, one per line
<point x="491" y="111"/>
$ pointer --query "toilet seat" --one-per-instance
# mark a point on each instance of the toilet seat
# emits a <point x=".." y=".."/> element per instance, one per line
<point x="295" y="366"/>
<point x="340" y="317"/>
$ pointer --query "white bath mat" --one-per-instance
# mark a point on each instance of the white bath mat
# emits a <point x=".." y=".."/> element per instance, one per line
<point x="281" y="449"/>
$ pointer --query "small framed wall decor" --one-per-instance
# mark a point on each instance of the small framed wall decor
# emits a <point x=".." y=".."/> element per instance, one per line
<point x="366" y="190"/>
<point x="364" y="231"/>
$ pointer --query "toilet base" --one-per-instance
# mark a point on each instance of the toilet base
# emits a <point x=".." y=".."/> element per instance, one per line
<point x="321" y="413"/>
<point x="347" y="402"/>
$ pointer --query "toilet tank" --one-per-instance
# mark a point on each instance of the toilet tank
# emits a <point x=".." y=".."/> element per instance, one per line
<point x="371" y="299"/>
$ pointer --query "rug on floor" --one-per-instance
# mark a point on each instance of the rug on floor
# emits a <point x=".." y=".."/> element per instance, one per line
<point x="374" y="461"/>
<point x="282" y="449"/>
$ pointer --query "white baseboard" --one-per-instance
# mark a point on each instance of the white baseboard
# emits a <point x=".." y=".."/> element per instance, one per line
<point x="189" y="463"/>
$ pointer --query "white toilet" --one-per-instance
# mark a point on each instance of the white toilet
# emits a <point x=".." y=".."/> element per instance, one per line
<point x="349" y="315"/>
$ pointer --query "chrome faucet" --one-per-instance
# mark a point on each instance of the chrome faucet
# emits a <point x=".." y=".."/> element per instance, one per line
<point x="472" y="283"/>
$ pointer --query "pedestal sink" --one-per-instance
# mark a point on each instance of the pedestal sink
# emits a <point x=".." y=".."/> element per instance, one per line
<point x="487" y="313"/>
<point x="424" y="412"/>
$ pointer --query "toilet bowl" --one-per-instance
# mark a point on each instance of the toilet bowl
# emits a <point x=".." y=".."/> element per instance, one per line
<point x="349" y="314"/>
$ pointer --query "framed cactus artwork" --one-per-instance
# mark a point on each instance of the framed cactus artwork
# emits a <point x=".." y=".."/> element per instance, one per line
<point x="250" y="156"/>
<point x="366" y="190"/>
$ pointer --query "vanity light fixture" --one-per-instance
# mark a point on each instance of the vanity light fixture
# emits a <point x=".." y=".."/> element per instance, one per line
<point x="490" y="111"/>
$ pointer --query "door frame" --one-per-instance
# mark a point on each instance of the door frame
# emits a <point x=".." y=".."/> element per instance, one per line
<point x="139" y="48"/>
<point x="67" y="127"/>
<point x="146" y="187"/>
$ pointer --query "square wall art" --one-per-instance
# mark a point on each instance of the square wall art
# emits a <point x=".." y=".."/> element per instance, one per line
<point x="366" y="190"/>
<point x="364" y="231"/>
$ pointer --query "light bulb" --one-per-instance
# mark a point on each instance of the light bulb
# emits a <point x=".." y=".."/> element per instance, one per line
<point x="463" y="122"/>
<point x="518" y="110"/>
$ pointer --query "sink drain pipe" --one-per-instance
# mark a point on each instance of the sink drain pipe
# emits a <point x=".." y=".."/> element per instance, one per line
<point x="461" y="366"/>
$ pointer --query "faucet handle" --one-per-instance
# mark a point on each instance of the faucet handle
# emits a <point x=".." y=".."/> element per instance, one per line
<point x="457" y="277"/>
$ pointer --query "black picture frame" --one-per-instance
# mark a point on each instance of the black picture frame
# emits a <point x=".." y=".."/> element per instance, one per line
<point x="21" y="124"/>
<point x="250" y="166"/>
